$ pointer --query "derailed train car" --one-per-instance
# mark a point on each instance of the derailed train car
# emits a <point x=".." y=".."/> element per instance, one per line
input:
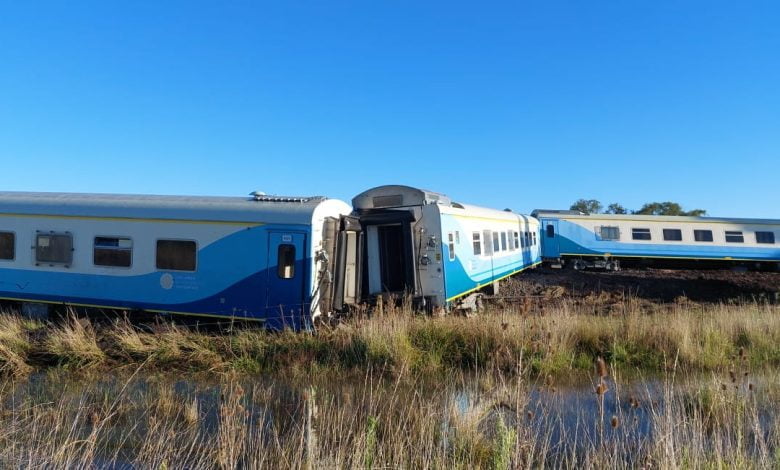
<point x="256" y="258"/>
<point x="283" y="261"/>
<point x="423" y="244"/>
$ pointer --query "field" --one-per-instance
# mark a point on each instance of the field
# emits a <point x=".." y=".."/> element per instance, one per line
<point x="555" y="373"/>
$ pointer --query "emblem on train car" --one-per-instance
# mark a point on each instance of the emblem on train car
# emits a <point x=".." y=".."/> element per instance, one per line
<point x="166" y="281"/>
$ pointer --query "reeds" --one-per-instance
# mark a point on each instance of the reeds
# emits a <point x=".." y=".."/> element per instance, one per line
<point x="149" y="422"/>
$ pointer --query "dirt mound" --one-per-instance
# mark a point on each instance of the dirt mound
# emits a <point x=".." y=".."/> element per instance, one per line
<point x="656" y="285"/>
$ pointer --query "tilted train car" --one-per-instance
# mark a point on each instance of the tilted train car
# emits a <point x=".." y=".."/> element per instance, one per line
<point x="419" y="242"/>
<point x="258" y="258"/>
<point x="601" y="240"/>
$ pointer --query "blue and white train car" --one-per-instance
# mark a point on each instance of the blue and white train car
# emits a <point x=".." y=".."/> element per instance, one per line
<point x="422" y="243"/>
<point x="601" y="240"/>
<point x="257" y="258"/>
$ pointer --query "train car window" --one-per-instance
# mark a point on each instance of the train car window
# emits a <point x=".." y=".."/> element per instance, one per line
<point x="734" y="237"/>
<point x="609" y="233"/>
<point x="533" y="234"/>
<point x="496" y="245"/>
<point x="7" y="245"/>
<point x="451" y="245"/>
<point x="527" y="239"/>
<point x="640" y="234"/>
<point x="286" y="261"/>
<point x="487" y="236"/>
<point x="509" y="243"/>
<point x="113" y="252"/>
<point x="702" y="235"/>
<point x="765" y="237"/>
<point x="54" y="248"/>
<point x="457" y="237"/>
<point x="503" y="241"/>
<point x="517" y="240"/>
<point x="176" y="255"/>
<point x="477" y="242"/>
<point x="550" y="231"/>
<point x="672" y="235"/>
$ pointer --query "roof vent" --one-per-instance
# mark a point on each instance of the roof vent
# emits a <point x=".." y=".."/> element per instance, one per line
<point x="263" y="197"/>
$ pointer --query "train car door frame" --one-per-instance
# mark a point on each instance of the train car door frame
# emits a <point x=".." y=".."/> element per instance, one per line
<point x="286" y="285"/>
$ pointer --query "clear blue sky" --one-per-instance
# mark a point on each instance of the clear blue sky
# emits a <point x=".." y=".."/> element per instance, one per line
<point x="518" y="104"/>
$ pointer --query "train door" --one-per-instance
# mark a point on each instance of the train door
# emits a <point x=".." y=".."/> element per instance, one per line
<point x="550" y="239"/>
<point x="285" y="295"/>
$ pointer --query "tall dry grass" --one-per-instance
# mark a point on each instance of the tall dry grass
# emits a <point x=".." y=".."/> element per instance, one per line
<point x="553" y="341"/>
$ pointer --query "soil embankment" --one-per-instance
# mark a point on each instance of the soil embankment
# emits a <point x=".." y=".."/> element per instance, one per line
<point x="651" y="285"/>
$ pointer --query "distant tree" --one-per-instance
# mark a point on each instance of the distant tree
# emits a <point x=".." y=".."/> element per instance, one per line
<point x="589" y="206"/>
<point x="667" y="208"/>
<point x="615" y="208"/>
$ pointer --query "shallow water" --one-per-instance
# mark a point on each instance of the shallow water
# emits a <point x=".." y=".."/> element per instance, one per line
<point x="123" y="418"/>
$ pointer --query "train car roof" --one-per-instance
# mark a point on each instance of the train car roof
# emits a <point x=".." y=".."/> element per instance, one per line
<point x="399" y="196"/>
<point x="257" y="208"/>
<point x="651" y="218"/>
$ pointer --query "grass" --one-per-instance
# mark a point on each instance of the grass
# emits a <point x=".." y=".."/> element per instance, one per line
<point x="400" y="390"/>
<point x="553" y="341"/>
<point x="474" y="420"/>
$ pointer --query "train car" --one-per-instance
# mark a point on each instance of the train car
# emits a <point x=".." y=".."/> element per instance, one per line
<point x="602" y="241"/>
<point x="257" y="258"/>
<point x="422" y="243"/>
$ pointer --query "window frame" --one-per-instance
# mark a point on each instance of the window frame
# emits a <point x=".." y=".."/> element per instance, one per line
<point x="550" y="230"/>
<point x="504" y="246"/>
<point x="766" y="232"/>
<point x="50" y="234"/>
<point x="131" y="250"/>
<point x="280" y="266"/>
<point x="696" y="236"/>
<point x="641" y="231"/>
<point x="451" y="246"/>
<point x="516" y="238"/>
<point x="13" y="247"/>
<point x="496" y="243"/>
<point x="666" y="231"/>
<point x="733" y="234"/>
<point x="157" y="248"/>
<point x="476" y="243"/>
<point x="610" y="238"/>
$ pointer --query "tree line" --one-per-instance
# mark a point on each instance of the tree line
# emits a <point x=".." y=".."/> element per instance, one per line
<point x="592" y="206"/>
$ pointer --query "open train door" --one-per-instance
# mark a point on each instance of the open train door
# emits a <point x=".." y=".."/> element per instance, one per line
<point x="348" y="256"/>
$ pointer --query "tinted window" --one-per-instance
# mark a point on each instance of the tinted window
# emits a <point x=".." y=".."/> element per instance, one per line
<point x="178" y="255"/>
<point x="286" y="261"/>
<point x="534" y="237"/>
<point x="503" y="241"/>
<point x="640" y="234"/>
<point x="734" y="237"/>
<point x="550" y="231"/>
<point x="765" y="237"/>
<point x="517" y="240"/>
<point x="54" y="248"/>
<point x="609" y="233"/>
<point x="7" y="245"/>
<point x="477" y="243"/>
<point x="672" y="234"/>
<point x="110" y="251"/>
<point x="702" y="235"/>
<point x="496" y="244"/>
